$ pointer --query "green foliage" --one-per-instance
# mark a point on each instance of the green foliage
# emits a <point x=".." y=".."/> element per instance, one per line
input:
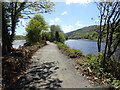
<point x="39" y="43"/>
<point x="35" y="27"/>
<point x="94" y="62"/>
<point x="62" y="37"/>
<point x="72" y="53"/>
<point x="85" y="33"/>
<point x="57" y="34"/>
<point x="116" y="84"/>
<point x="91" y="35"/>
<point x="80" y="63"/>
<point x="46" y="35"/>
<point x="19" y="37"/>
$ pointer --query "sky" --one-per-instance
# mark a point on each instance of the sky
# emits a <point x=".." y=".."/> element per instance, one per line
<point x="70" y="15"/>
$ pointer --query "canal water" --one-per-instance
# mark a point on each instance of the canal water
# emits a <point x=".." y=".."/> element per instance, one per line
<point x="86" y="46"/>
<point x="18" y="43"/>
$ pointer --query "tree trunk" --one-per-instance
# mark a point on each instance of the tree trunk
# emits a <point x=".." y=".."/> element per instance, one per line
<point x="5" y="34"/>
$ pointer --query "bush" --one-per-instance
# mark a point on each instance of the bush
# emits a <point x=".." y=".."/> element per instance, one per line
<point x="95" y="63"/>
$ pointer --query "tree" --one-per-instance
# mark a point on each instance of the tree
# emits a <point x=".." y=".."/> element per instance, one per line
<point x="62" y="37"/>
<point x="57" y="34"/>
<point x="12" y="11"/>
<point x="35" y="27"/>
<point x="46" y="35"/>
<point x="109" y="28"/>
<point x="53" y="29"/>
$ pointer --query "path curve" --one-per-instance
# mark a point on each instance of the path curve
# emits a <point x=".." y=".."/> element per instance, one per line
<point x="51" y="69"/>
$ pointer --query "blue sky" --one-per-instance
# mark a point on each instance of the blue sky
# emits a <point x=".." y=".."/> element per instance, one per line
<point x="69" y="15"/>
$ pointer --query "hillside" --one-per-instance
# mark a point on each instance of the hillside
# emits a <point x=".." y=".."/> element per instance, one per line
<point x="19" y="37"/>
<point x="84" y="33"/>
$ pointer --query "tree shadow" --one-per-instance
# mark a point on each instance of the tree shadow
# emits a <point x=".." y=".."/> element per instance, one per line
<point x="39" y="77"/>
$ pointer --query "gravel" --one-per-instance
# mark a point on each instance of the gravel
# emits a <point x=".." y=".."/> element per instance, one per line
<point x="51" y="69"/>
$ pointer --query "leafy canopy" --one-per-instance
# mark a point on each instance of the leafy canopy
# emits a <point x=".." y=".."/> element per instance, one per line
<point x="57" y="34"/>
<point x="35" y="27"/>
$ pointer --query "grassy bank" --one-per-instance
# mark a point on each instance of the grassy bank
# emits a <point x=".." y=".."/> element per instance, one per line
<point x="90" y="66"/>
<point x="16" y="63"/>
<point x="72" y="53"/>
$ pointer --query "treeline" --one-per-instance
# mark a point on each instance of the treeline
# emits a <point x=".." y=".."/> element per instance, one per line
<point x="89" y="32"/>
<point x="19" y="37"/>
<point x="91" y="35"/>
<point x="38" y="31"/>
<point x="56" y="34"/>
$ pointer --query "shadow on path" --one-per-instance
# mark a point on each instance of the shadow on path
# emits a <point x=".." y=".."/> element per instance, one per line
<point x="43" y="76"/>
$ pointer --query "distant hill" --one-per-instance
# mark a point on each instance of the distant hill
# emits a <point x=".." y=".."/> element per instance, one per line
<point x="19" y="37"/>
<point x="84" y="33"/>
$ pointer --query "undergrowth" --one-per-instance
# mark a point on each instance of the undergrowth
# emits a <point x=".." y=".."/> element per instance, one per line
<point x="16" y="63"/>
<point x="107" y="74"/>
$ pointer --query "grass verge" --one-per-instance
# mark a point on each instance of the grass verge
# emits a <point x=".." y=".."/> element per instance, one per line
<point x="90" y="66"/>
<point x="72" y="53"/>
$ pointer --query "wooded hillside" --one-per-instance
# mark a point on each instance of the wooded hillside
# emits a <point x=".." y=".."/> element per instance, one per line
<point x="84" y="33"/>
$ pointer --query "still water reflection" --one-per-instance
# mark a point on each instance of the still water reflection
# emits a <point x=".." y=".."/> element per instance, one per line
<point x="18" y="43"/>
<point x="86" y="46"/>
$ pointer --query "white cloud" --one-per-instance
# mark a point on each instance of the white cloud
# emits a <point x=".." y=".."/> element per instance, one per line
<point x="57" y="19"/>
<point x="76" y="1"/>
<point x="52" y="22"/>
<point x="79" y="1"/>
<point x="57" y="0"/>
<point x="78" y="24"/>
<point x="67" y="28"/>
<point x="64" y="13"/>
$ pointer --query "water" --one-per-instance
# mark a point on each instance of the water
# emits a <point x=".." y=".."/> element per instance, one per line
<point x="18" y="43"/>
<point x="86" y="46"/>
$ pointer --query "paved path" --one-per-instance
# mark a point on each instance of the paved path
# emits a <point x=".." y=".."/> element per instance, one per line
<point x="51" y="69"/>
